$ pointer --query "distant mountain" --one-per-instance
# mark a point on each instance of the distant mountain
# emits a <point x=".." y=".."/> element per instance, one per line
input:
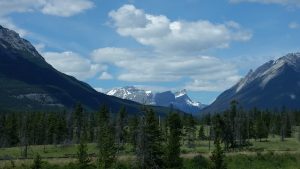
<point x="29" y="83"/>
<point x="180" y="100"/>
<point x="273" y="85"/>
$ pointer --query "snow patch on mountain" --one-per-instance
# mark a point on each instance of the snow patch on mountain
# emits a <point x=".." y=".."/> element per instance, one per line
<point x="179" y="100"/>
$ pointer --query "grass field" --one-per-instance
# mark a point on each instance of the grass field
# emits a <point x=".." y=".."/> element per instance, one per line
<point x="272" y="153"/>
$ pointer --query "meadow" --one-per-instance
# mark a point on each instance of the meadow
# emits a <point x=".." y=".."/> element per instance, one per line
<point x="267" y="154"/>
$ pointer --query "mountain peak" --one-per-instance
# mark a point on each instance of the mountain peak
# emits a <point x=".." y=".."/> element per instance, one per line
<point x="272" y="85"/>
<point x="11" y="39"/>
<point x="181" y="93"/>
<point x="179" y="100"/>
<point x="270" y="69"/>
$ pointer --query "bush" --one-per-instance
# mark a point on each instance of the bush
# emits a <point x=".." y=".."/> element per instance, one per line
<point x="198" y="162"/>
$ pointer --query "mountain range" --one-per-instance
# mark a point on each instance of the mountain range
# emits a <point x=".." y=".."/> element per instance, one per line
<point x="274" y="85"/>
<point x="179" y="100"/>
<point x="29" y="83"/>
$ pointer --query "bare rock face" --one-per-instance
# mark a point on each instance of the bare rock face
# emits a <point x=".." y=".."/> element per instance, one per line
<point x="273" y="85"/>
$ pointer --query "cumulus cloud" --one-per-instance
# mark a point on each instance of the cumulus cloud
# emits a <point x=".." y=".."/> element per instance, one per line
<point x="64" y="8"/>
<point x="168" y="36"/>
<point x="73" y="64"/>
<point x="280" y="2"/>
<point x="105" y="76"/>
<point x="8" y="23"/>
<point x="294" y="25"/>
<point x="159" y="68"/>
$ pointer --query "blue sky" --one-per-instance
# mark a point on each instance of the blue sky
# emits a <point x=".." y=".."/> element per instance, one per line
<point x="204" y="46"/>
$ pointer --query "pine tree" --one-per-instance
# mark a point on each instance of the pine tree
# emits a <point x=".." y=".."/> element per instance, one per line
<point x="288" y="127"/>
<point x="189" y="130"/>
<point x="2" y="130"/>
<point x="173" y="160"/>
<point x="37" y="164"/>
<point x="83" y="156"/>
<point x="218" y="155"/>
<point x="78" y="117"/>
<point x="91" y="127"/>
<point x="120" y="128"/>
<point x="106" y="144"/>
<point x="201" y="134"/>
<point x="149" y="148"/>
<point x="11" y="130"/>
<point x="133" y="130"/>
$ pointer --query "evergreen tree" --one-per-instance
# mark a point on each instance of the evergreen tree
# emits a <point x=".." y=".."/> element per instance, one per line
<point x="149" y="148"/>
<point x="288" y="128"/>
<point x="133" y="130"/>
<point x="2" y="130"/>
<point x="218" y="155"/>
<point x="201" y="134"/>
<point x="173" y="160"/>
<point x="228" y="134"/>
<point x="106" y="144"/>
<point x="11" y="130"/>
<point x="189" y="130"/>
<point x="120" y="127"/>
<point x="91" y="128"/>
<point x="260" y="126"/>
<point x="37" y="164"/>
<point x="78" y="117"/>
<point x="83" y="156"/>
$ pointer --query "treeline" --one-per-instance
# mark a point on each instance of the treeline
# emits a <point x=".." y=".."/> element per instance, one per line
<point x="156" y="141"/>
<point x="238" y="127"/>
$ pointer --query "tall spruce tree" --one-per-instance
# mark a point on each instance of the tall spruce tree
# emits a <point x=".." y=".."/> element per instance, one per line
<point x="173" y="160"/>
<point x="83" y="156"/>
<point x="120" y="128"/>
<point x="288" y="127"/>
<point x="149" y="148"/>
<point x="11" y="130"/>
<point x="78" y="117"/>
<point x="133" y="125"/>
<point x="37" y="163"/>
<point x="106" y="140"/>
<point x="201" y="134"/>
<point x="218" y="155"/>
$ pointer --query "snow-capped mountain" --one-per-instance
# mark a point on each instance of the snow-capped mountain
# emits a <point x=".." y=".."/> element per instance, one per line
<point x="179" y="100"/>
<point x="271" y="86"/>
<point x="134" y="94"/>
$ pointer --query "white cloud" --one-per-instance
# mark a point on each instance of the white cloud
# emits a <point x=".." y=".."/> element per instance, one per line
<point x="40" y="47"/>
<point x="169" y="36"/>
<point x="105" y="76"/>
<point x="294" y="25"/>
<point x="64" y="8"/>
<point x="160" y="68"/>
<point x="7" y="23"/>
<point x="217" y="85"/>
<point x="100" y="89"/>
<point x="281" y="2"/>
<point x="73" y="64"/>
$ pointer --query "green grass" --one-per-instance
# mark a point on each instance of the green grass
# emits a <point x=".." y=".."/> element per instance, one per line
<point x="269" y="154"/>
<point x="290" y="145"/>
<point x="265" y="161"/>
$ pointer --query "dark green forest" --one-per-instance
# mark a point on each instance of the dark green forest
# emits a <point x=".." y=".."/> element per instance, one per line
<point x="154" y="141"/>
